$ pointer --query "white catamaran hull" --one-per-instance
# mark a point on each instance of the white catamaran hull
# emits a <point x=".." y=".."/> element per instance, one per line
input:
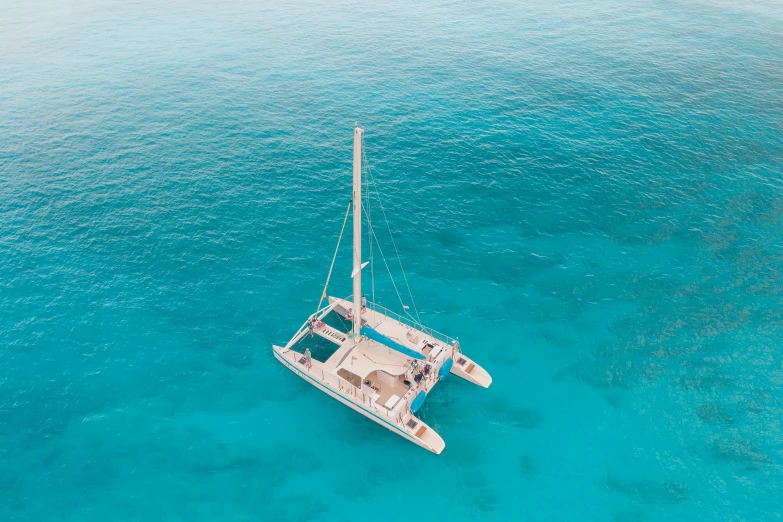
<point x="386" y="364"/>
<point x="437" y="444"/>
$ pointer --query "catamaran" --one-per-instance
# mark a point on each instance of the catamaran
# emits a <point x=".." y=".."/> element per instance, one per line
<point x="385" y="364"/>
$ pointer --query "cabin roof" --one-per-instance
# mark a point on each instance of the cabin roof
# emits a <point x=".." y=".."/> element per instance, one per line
<point x="369" y="356"/>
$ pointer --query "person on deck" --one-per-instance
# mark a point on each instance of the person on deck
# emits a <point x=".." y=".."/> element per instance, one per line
<point x="349" y="314"/>
<point x="308" y="358"/>
<point x="364" y="304"/>
<point x="310" y="326"/>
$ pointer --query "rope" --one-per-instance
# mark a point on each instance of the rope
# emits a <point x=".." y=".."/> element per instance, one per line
<point x="345" y="325"/>
<point x="399" y="260"/>
<point x="369" y="224"/>
<point x="404" y="308"/>
<point x="328" y="277"/>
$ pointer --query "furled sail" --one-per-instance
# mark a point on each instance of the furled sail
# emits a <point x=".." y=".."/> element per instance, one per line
<point x="394" y="345"/>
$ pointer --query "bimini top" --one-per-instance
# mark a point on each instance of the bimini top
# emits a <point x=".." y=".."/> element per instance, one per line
<point x="394" y="345"/>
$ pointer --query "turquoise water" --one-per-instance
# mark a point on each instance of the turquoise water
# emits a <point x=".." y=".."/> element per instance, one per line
<point x="590" y="195"/>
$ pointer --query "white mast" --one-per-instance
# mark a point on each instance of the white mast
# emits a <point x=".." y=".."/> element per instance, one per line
<point x="357" y="231"/>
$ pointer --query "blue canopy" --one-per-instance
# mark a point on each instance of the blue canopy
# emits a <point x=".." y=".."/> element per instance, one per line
<point x="394" y="345"/>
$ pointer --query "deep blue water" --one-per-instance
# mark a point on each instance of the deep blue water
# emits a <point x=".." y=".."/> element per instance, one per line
<point x="590" y="195"/>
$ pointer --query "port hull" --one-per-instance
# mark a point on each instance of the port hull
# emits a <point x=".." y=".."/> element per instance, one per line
<point x="346" y="400"/>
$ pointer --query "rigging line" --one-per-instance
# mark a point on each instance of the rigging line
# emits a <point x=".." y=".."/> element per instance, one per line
<point x="345" y="325"/>
<point x="369" y="223"/>
<point x="391" y="236"/>
<point x="399" y="260"/>
<point x="388" y="269"/>
<point x="372" y="259"/>
<point x="365" y="202"/>
<point x="334" y="258"/>
<point x="372" y="250"/>
<point x="404" y="308"/>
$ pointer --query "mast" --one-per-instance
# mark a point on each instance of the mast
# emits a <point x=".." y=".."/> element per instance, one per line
<point x="357" y="231"/>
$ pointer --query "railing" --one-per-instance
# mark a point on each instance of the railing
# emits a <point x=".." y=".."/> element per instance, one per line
<point x="407" y="321"/>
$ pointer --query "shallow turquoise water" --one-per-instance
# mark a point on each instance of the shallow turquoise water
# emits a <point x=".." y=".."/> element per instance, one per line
<point x="588" y="195"/>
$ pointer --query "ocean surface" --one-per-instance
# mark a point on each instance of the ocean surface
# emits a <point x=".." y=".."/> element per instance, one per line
<point x="588" y="194"/>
